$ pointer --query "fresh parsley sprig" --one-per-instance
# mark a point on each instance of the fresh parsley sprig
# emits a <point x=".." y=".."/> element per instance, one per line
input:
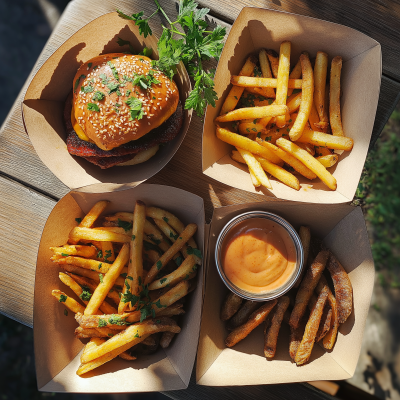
<point x="197" y="44"/>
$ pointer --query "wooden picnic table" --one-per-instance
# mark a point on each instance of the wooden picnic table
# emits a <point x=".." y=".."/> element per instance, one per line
<point x="29" y="191"/>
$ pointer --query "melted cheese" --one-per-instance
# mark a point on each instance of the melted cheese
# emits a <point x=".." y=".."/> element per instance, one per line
<point x="77" y="128"/>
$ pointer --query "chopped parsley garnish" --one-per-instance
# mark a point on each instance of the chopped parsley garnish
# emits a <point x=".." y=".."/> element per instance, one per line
<point x="110" y="334"/>
<point x="158" y="304"/>
<point x="156" y="241"/>
<point x="270" y="101"/>
<point x="259" y="134"/>
<point x="77" y="82"/>
<point x="107" y="256"/>
<point x="104" y="79"/>
<point x="113" y="87"/>
<point x="255" y="121"/>
<point x="163" y="280"/>
<point x="248" y="130"/>
<point x="62" y="298"/>
<point x="65" y="254"/>
<point x="128" y="92"/>
<point x="254" y="129"/>
<point x="93" y="107"/>
<point x="173" y="236"/>
<point x="102" y="323"/>
<point x="99" y="254"/>
<point x="78" y="220"/>
<point x="135" y="108"/>
<point x="159" y="265"/>
<point x="150" y="246"/>
<point x="90" y="65"/>
<point x="145" y="81"/>
<point x="101" y="278"/>
<point x="137" y="335"/>
<point x="117" y="320"/>
<point x="196" y="252"/>
<point x="87" y="89"/>
<point x="165" y="219"/>
<point x="257" y="72"/>
<point x="178" y="261"/>
<point x="288" y="129"/>
<point x="124" y="275"/>
<point x="65" y="312"/>
<point x="98" y="96"/>
<point x="85" y="295"/>
<point x="125" y="224"/>
<point x="268" y="138"/>
<point x="113" y="70"/>
<point x="133" y="237"/>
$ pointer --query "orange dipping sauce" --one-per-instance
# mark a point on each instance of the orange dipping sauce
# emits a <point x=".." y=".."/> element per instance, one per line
<point x="258" y="255"/>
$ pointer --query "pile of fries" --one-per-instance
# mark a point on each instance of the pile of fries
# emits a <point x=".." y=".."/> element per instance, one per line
<point x="130" y="273"/>
<point x="327" y="308"/>
<point x="281" y="122"/>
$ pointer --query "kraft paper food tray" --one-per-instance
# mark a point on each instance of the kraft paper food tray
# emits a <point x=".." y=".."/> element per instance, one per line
<point x="57" y="351"/>
<point x="257" y="28"/>
<point x="343" y="231"/>
<point x="43" y="105"/>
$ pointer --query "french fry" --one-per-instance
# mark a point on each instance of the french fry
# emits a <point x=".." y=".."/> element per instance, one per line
<point x="86" y="263"/>
<point x="283" y="80"/>
<point x="189" y="231"/>
<point x="84" y="333"/>
<point x="320" y="71"/>
<point x="69" y="302"/>
<point x="321" y="151"/>
<point x="175" y="309"/>
<point x="74" y="250"/>
<point x="330" y="338"/>
<point x="306" y="98"/>
<point x="247" y="144"/>
<point x="325" y="323"/>
<point x="313" y="118"/>
<point x="254" y="179"/>
<point x="307" y="343"/>
<point x="125" y="355"/>
<point x="289" y="159"/>
<point x="245" y="81"/>
<point x="309" y="161"/>
<point x="243" y="314"/>
<point x="253" y="112"/>
<point x="274" y="61"/>
<point x="98" y="234"/>
<point x="271" y="334"/>
<point x="255" y="167"/>
<point x="236" y="92"/>
<point x="166" y="339"/>
<point x="187" y="268"/>
<point x="255" y="319"/>
<point x="266" y="71"/>
<point x="293" y="103"/>
<point x="108" y="281"/>
<point x="325" y="140"/>
<point x="329" y="160"/>
<point x="309" y="148"/>
<point x="343" y="288"/>
<point x="68" y="281"/>
<point x="230" y="305"/>
<point x="307" y="287"/>
<point x="296" y="335"/>
<point x="108" y="251"/>
<point x="295" y="74"/>
<point x="334" y="100"/>
<point x="111" y="321"/>
<point x="124" y="341"/>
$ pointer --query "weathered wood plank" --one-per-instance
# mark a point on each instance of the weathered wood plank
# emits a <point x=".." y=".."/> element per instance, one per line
<point x="377" y="19"/>
<point x="22" y="218"/>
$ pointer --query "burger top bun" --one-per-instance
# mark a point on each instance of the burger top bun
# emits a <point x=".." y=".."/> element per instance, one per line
<point x="110" y="109"/>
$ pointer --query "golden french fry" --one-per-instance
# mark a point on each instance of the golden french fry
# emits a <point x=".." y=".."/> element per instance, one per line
<point x="86" y="263"/>
<point x="108" y="251"/>
<point x="320" y="71"/>
<point x="295" y="74"/>
<point x="309" y="161"/>
<point x="69" y="281"/>
<point x="283" y="80"/>
<point x="309" y="148"/>
<point x="175" y="309"/>
<point x="98" y="234"/>
<point x="253" y="112"/>
<point x="69" y="302"/>
<point x="245" y="81"/>
<point x="326" y="140"/>
<point x="74" y="250"/>
<point x="254" y="180"/>
<point x="306" y="98"/>
<point x="274" y="61"/>
<point x="187" y="268"/>
<point x="235" y="93"/>
<point x="255" y="168"/>
<point x="247" y="144"/>
<point x="313" y="118"/>
<point x="84" y="333"/>
<point x="289" y="159"/>
<point x="334" y="100"/>
<point x="189" y="231"/>
<point x="108" y="281"/>
<point x="293" y="102"/>
<point x="329" y="160"/>
<point x="266" y="71"/>
<point x="322" y="151"/>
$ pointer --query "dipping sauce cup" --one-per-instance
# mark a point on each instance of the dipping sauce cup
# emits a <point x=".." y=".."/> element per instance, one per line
<point x="259" y="255"/>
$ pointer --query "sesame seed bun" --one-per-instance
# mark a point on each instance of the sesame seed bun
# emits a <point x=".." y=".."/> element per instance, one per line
<point x="108" y="122"/>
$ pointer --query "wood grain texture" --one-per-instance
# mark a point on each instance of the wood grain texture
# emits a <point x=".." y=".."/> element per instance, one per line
<point x="22" y="218"/>
<point x="377" y="19"/>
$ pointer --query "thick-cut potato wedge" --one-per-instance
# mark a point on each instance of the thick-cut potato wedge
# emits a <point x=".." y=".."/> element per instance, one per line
<point x="271" y="334"/>
<point x="86" y="263"/>
<point x="325" y="324"/>
<point x="295" y="74"/>
<point x="329" y="160"/>
<point x="325" y="140"/>
<point x="310" y="162"/>
<point x="243" y="314"/>
<point x="306" y="98"/>
<point x="266" y="71"/>
<point x="320" y="71"/>
<point x="74" y="250"/>
<point x="273" y="58"/>
<point x="343" y="288"/>
<point x="98" y="234"/>
<point x="187" y="268"/>
<point x="296" y="335"/>
<point x="230" y="305"/>
<point x="255" y="167"/>
<point x="244" y="81"/>
<point x="307" y="287"/>
<point x="296" y="164"/>
<point x="307" y="343"/>
<point x="235" y="93"/>
<point x="189" y="231"/>
<point x="253" y="112"/>
<point x="335" y="117"/>
<point x="247" y="144"/>
<point x="108" y="281"/>
<point x="283" y="79"/>
<point x="255" y="319"/>
<point x="330" y="337"/>
<point x="69" y="302"/>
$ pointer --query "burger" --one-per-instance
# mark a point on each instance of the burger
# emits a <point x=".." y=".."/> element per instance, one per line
<point x="121" y="110"/>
